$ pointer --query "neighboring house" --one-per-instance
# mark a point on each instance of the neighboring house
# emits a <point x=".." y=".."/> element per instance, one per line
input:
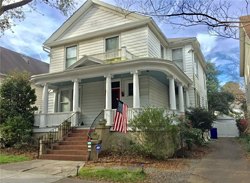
<point x="245" y="55"/>
<point x="11" y="61"/>
<point x="102" y="53"/>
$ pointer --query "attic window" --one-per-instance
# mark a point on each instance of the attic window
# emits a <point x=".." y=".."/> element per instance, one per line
<point x="71" y="55"/>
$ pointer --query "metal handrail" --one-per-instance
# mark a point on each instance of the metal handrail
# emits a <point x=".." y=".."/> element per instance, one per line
<point x="94" y="124"/>
<point x="53" y="135"/>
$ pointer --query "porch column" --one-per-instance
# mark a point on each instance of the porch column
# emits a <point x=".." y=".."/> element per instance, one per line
<point x="108" y="106"/>
<point x="75" y="102"/>
<point x="187" y="99"/>
<point x="136" y="91"/>
<point x="43" y="119"/>
<point x="172" y="94"/>
<point x="181" y="99"/>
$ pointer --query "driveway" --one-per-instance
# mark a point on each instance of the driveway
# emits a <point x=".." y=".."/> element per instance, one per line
<point x="226" y="163"/>
<point x="37" y="171"/>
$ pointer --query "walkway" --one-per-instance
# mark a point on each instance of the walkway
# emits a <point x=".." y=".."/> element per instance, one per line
<point x="225" y="164"/>
<point x="37" y="171"/>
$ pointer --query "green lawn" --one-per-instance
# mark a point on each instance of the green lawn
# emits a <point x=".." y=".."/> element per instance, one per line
<point x="113" y="175"/>
<point x="12" y="158"/>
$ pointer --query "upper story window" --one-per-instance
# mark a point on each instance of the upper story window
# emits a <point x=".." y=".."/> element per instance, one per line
<point x="162" y="51"/>
<point x="71" y="55"/>
<point x="177" y="57"/>
<point x="112" y="43"/>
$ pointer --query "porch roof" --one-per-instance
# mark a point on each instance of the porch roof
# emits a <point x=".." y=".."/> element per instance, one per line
<point x="92" y="71"/>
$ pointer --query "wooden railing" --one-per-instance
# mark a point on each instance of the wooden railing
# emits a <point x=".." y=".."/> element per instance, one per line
<point x="52" y="119"/>
<point x="114" y="56"/>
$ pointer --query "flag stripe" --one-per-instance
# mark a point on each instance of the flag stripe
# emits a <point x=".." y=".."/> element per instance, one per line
<point x="120" y="120"/>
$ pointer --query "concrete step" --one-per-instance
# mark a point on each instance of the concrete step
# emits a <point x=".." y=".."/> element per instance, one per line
<point x="72" y="147"/>
<point x="64" y="157"/>
<point x="68" y="152"/>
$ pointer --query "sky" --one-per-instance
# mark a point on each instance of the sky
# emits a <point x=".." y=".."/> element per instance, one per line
<point x="28" y="36"/>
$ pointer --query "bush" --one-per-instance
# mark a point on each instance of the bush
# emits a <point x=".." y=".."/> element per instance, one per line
<point x="200" y="118"/>
<point x="190" y="135"/>
<point x="157" y="136"/>
<point x="16" y="131"/>
<point x="242" y="125"/>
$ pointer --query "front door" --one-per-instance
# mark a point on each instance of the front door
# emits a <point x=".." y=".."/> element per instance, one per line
<point x="115" y="94"/>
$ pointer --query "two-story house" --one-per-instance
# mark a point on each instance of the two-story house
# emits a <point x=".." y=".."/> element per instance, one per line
<point x="102" y="53"/>
<point x="245" y="55"/>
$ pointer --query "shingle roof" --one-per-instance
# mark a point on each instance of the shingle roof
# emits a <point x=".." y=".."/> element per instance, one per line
<point x="13" y="61"/>
<point x="246" y="24"/>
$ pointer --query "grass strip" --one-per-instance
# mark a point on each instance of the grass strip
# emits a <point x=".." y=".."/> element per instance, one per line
<point x="110" y="174"/>
<point x="12" y="158"/>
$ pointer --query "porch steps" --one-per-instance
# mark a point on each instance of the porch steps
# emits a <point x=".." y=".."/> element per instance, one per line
<point x="73" y="147"/>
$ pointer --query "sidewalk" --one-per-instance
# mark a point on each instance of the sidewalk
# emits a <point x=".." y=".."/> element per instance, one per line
<point x="38" y="171"/>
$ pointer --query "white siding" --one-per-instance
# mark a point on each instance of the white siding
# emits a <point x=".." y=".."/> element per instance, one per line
<point x="154" y="48"/>
<point x="57" y="59"/>
<point x="168" y="54"/>
<point x="91" y="47"/>
<point x="143" y="88"/>
<point x="93" y="100"/>
<point x="135" y="41"/>
<point x="158" y="94"/>
<point x="188" y="61"/>
<point x="96" y="18"/>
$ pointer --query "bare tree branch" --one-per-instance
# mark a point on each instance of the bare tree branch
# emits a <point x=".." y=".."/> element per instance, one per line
<point x="13" y="5"/>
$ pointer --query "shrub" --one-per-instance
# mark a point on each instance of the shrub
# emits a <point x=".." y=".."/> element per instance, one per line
<point x="200" y="118"/>
<point x="157" y="136"/>
<point x="242" y="125"/>
<point x="16" y="131"/>
<point x="190" y="135"/>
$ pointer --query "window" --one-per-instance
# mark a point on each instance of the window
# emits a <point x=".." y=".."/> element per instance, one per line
<point x="162" y="51"/>
<point x="130" y="89"/>
<point x="70" y="55"/>
<point x="177" y="57"/>
<point x="65" y="101"/>
<point x="112" y="43"/>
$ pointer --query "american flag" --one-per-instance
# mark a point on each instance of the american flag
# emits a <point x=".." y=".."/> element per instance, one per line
<point x="121" y="120"/>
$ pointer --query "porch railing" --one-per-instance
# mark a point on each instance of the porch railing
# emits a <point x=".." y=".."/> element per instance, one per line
<point x="52" y="119"/>
<point x="57" y="133"/>
<point x="115" y="55"/>
<point x="96" y="121"/>
<point x="132" y="112"/>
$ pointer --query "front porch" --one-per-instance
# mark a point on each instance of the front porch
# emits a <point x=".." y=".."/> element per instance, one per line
<point x="87" y="96"/>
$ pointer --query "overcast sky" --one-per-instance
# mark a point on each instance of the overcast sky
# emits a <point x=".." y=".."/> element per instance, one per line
<point x="29" y="35"/>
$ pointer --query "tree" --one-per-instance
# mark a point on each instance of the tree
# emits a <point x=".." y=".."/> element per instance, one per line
<point x="220" y="101"/>
<point x="217" y="100"/>
<point x="212" y="80"/>
<point x="219" y="16"/>
<point x="11" y="10"/>
<point x="17" y="97"/>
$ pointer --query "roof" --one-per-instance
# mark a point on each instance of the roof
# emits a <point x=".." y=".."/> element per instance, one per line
<point x="12" y="61"/>
<point x="245" y="21"/>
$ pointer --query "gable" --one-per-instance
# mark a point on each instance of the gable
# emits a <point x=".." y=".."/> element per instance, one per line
<point x="96" y="18"/>
<point x="85" y="61"/>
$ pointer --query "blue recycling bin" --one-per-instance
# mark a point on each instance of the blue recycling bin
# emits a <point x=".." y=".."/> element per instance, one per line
<point x="214" y="134"/>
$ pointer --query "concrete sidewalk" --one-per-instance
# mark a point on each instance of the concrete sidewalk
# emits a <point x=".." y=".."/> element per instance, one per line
<point x="38" y="171"/>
